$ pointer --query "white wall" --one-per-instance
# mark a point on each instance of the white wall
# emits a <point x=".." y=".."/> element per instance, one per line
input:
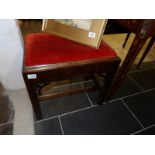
<point x="11" y="55"/>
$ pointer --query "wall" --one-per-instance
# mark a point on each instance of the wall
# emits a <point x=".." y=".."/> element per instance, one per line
<point x="11" y="55"/>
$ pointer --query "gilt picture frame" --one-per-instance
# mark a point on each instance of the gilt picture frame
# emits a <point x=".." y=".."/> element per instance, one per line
<point x="84" y="31"/>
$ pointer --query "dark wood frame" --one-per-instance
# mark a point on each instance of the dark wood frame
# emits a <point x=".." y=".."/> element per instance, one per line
<point x="62" y="71"/>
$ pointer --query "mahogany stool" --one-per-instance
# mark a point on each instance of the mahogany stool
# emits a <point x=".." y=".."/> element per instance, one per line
<point x="48" y="58"/>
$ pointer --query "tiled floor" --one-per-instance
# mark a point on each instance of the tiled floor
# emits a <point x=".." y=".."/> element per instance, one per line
<point x="130" y="111"/>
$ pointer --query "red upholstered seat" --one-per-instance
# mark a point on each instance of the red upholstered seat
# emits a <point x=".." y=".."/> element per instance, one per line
<point x="42" y="48"/>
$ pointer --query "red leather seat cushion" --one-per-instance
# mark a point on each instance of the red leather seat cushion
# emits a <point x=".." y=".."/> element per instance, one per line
<point x="42" y="49"/>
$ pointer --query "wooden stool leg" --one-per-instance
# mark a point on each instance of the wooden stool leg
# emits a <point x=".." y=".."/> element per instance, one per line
<point x="126" y="39"/>
<point x="107" y="84"/>
<point x="108" y="80"/>
<point x="33" y="97"/>
<point x="146" y="51"/>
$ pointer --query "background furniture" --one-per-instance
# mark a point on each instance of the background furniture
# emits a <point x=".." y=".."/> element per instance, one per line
<point x="113" y="27"/>
<point x="120" y="26"/>
<point x="143" y="29"/>
<point x="146" y="51"/>
<point x="49" y="58"/>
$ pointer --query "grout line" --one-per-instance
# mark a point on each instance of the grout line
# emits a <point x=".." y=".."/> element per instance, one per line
<point x="143" y="129"/>
<point x="135" y="82"/>
<point x="87" y="96"/>
<point x="61" y="125"/>
<point x="132" y="113"/>
<point x="137" y="93"/>
<point x="114" y="100"/>
<point x="89" y="99"/>
<point x="141" y="69"/>
<point x="45" y="119"/>
<point x="77" y="111"/>
<point x="87" y="81"/>
<point x="132" y="95"/>
<point x="137" y="70"/>
<point x="81" y="84"/>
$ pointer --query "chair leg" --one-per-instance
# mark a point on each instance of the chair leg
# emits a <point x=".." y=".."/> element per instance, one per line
<point x="126" y="39"/>
<point x="33" y="97"/>
<point x="146" y="51"/>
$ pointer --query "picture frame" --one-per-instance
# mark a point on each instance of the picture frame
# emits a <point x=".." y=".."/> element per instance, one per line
<point x="84" y="31"/>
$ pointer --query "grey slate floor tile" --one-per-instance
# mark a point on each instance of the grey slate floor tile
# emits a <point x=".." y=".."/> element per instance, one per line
<point x="111" y="118"/>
